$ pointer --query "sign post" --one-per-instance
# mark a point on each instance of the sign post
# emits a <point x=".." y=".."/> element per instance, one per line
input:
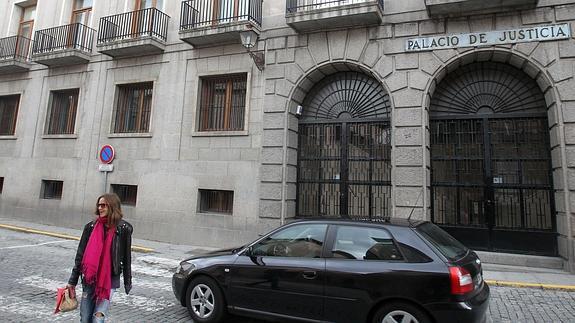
<point x="106" y="156"/>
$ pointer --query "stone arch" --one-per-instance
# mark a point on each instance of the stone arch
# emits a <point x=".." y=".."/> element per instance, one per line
<point x="532" y="67"/>
<point x="309" y="84"/>
<point x="285" y="89"/>
<point x="315" y="74"/>
<point x="513" y="58"/>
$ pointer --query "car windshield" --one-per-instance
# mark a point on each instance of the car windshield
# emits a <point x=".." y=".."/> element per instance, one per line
<point x="446" y="244"/>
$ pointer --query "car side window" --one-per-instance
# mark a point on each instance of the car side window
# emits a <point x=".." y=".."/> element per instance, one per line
<point x="304" y="240"/>
<point x="364" y="243"/>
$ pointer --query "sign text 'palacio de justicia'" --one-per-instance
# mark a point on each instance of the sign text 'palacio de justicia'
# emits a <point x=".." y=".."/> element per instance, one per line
<point x="539" y="33"/>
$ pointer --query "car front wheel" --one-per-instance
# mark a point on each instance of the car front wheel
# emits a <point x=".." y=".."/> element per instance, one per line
<point x="400" y="313"/>
<point x="205" y="301"/>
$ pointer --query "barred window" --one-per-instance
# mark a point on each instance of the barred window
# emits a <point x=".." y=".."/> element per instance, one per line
<point x="8" y="113"/>
<point x="1" y="184"/>
<point x="51" y="190"/>
<point x="223" y="103"/>
<point x="133" y="107"/>
<point x="127" y="193"/>
<point x="215" y="201"/>
<point x="62" y="112"/>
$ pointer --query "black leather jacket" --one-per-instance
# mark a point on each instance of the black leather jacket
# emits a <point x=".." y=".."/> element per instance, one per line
<point x="121" y="253"/>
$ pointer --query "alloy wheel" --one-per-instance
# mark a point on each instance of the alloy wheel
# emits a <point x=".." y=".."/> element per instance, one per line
<point x="399" y="316"/>
<point x="202" y="301"/>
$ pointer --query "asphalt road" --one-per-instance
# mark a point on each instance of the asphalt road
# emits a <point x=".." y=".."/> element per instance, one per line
<point x="33" y="266"/>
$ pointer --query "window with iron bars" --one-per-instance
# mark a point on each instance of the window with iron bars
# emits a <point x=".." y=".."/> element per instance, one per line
<point x="62" y="112"/>
<point x="223" y="103"/>
<point x="51" y="190"/>
<point x="127" y="193"/>
<point x="216" y="201"/>
<point x="133" y="108"/>
<point x="8" y="114"/>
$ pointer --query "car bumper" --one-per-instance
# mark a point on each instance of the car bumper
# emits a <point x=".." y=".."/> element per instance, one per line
<point x="473" y="310"/>
<point x="178" y="284"/>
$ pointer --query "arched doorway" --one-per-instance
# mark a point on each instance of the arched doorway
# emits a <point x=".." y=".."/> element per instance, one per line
<point x="491" y="182"/>
<point x="344" y="164"/>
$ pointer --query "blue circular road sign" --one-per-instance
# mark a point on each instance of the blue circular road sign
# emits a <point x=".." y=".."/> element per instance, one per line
<point x="107" y="154"/>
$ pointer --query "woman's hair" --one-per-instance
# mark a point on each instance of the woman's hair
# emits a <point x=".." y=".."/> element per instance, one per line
<point x="114" y="208"/>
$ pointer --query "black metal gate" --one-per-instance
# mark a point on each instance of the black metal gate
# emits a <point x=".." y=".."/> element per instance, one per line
<point x="344" y="167"/>
<point x="492" y="185"/>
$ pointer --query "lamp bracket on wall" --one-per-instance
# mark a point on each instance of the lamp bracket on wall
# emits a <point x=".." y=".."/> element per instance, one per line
<point x="249" y="40"/>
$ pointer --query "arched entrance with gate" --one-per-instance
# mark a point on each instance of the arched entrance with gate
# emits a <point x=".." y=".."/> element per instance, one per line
<point x="491" y="173"/>
<point x="344" y="164"/>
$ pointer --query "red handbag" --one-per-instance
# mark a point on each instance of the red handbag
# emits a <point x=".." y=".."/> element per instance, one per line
<point x="64" y="302"/>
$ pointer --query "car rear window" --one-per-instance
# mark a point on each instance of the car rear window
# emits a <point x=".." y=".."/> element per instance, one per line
<point x="447" y="245"/>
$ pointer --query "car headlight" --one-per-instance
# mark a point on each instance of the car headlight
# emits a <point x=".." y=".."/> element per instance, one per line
<point x="184" y="266"/>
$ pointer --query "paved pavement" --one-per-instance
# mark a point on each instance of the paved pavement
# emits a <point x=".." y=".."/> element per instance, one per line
<point x="33" y="265"/>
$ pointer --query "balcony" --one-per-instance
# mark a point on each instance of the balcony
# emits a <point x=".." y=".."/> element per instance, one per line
<point x="14" y="54"/>
<point x="63" y="45"/>
<point x="309" y="15"/>
<point x="136" y="33"/>
<point x="464" y="7"/>
<point x="208" y="22"/>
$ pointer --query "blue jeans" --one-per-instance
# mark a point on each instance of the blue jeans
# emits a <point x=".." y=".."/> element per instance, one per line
<point x="89" y="308"/>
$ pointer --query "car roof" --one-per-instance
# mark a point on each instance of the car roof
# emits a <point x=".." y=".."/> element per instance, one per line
<point x="400" y="222"/>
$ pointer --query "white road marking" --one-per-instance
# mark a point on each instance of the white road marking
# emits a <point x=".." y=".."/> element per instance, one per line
<point x="155" y="272"/>
<point x="141" y="302"/>
<point x="38" y="244"/>
<point x="144" y="284"/>
<point x="27" y="308"/>
<point x="165" y="263"/>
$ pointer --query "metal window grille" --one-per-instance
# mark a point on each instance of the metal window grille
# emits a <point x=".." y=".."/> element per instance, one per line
<point x="133" y="108"/>
<point x="8" y="113"/>
<point x="223" y="103"/>
<point x="52" y="190"/>
<point x="127" y="193"/>
<point x="62" y="112"/>
<point x="215" y="201"/>
<point x="1" y="184"/>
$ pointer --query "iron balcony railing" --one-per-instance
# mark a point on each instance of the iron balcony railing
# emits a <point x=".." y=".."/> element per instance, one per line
<point x="146" y="22"/>
<point x="73" y="36"/>
<point x="205" y="13"/>
<point x="293" y="6"/>
<point x="15" y="47"/>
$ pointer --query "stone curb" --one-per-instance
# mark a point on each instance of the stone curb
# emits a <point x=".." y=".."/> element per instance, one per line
<point x="63" y="236"/>
<point x="569" y="288"/>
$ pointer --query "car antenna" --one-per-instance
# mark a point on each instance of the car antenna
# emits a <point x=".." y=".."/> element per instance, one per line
<point x="413" y="208"/>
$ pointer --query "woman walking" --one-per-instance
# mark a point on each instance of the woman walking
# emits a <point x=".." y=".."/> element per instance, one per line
<point x="103" y="254"/>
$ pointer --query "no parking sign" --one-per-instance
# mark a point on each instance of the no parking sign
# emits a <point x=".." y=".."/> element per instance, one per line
<point x="107" y="154"/>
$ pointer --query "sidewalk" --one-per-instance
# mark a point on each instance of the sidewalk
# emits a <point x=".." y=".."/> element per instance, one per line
<point x="494" y="274"/>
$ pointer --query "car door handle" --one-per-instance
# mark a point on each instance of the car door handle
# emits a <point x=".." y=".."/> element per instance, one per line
<point x="309" y="274"/>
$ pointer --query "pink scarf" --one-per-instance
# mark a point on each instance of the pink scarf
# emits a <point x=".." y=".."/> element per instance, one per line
<point x="97" y="260"/>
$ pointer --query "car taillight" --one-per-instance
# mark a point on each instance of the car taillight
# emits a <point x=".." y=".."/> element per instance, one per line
<point x="461" y="281"/>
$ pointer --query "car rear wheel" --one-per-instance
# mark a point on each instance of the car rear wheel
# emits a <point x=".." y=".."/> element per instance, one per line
<point x="205" y="301"/>
<point x="400" y="313"/>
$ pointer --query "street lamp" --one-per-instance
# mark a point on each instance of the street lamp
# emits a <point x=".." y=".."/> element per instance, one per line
<point x="249" y="39"/>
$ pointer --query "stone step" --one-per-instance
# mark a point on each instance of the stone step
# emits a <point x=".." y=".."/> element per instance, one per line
<point x="508" y="259"/>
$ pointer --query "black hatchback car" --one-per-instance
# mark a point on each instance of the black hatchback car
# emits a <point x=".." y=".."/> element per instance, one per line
<point x="339" y="271"/>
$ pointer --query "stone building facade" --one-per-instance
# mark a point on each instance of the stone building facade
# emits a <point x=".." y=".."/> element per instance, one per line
<point x="479" y="138"/>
